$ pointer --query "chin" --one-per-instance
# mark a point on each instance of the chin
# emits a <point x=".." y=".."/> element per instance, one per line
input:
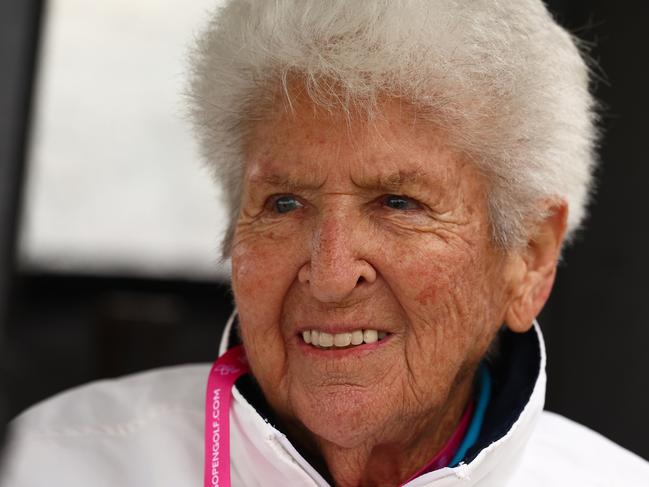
<point x="342" y="415"/>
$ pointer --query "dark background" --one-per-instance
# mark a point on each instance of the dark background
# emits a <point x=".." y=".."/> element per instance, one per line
<point x="57" y="331"/>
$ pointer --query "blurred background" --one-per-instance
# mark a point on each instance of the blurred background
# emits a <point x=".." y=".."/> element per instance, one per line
<point x="110" y="227"/>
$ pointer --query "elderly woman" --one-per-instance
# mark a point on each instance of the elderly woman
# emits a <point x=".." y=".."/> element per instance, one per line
<point x="400" y="177"/>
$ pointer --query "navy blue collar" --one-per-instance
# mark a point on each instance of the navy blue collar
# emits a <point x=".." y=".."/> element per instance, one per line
<point x="515" y="368"/>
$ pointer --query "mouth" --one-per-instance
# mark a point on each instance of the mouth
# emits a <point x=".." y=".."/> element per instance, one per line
<point x="341" y="341"/>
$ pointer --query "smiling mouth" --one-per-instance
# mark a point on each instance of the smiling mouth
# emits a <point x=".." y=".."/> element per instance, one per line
<point x="331" y="341"/>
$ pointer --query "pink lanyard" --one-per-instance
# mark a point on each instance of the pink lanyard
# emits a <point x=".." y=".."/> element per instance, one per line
<point x="225" y="371"/>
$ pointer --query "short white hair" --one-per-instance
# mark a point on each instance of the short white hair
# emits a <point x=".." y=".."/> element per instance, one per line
<point x="507" y="85"/>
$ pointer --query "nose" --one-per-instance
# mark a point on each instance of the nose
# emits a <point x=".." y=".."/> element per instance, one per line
<point x="337" y="270"/>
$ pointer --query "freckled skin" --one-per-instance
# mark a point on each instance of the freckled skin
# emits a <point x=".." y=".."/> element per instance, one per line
<point x="429" y="275"/>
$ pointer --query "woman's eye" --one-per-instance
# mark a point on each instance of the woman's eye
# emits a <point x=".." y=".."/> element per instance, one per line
<point x="284" y="204"/>
<point x="402" y="203"/>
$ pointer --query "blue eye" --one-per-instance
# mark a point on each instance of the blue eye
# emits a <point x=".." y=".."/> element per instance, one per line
<point x="284" y="204"/>
<point x="402" y="203"/>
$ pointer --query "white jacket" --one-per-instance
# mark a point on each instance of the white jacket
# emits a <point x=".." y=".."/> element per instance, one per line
<point x="147" y="430"/>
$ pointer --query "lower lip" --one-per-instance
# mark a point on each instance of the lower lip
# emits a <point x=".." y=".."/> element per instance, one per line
<point x="363" y="349"/>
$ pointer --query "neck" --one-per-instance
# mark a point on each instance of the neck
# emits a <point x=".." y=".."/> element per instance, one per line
<point x="387" y="461"/>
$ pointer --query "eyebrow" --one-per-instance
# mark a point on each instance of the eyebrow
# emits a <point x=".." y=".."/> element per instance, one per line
<point x="395" y="181"/>
<point x="285" y="182"/>
<point x="389" y="182"/>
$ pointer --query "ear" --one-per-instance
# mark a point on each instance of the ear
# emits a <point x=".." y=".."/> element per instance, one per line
<point x="534" y="267"/>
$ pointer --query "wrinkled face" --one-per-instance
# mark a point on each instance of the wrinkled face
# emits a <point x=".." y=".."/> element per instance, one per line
<point x="372" y="241"/>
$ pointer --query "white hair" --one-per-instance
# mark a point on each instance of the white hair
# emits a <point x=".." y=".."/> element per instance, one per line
<point x="505" y="83"/>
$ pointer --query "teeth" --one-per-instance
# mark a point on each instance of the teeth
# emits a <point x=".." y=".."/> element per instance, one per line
<point x="357" y="337"/>
<point x="342" y="339"/>
<point x="370" y="336"/>
<point x="327" y="340"/>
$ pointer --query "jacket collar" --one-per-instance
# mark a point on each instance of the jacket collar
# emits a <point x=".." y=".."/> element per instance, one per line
<point x="519" y="380"/>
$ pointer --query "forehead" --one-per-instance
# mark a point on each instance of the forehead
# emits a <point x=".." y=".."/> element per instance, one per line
<point x="392" y="146"/>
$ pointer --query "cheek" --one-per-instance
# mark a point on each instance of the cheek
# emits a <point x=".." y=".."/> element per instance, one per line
<point x="446" y="297"/>
<point x="447" y="294"/>
<point x="427" y="295"/>
<point x="262" y="272"/>
<point x="429" y="274"/>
